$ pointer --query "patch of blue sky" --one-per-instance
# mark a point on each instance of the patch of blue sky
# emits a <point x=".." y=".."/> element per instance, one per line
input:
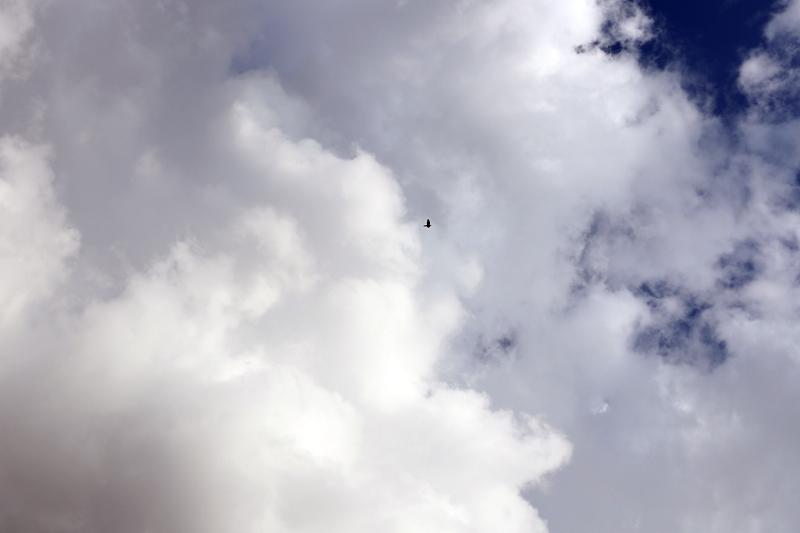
<point x="684" y="336"/>
<point x="707" y="40"/>
<point x="741" y="266"/>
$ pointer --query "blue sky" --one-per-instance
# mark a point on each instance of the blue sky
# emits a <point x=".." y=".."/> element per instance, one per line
<point x="711" y="38"/>
<point x="220" y="310"/>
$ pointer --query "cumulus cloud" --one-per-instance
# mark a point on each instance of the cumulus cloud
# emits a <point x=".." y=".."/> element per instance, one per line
<point x="220" y="310"/>
<point x="273" y="367"/>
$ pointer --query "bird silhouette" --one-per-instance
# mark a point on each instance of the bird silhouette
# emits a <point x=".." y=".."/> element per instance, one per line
<point x="428" y="225"/>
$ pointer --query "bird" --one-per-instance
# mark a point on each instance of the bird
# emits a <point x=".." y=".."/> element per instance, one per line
<point x="428" y="225"/>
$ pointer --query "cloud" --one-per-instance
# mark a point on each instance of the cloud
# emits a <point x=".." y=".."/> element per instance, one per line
<point x="769" y="76"/>
<point x="36" y="237"/>
<point x="221" y="311"/>
<point x="272" y="368"/>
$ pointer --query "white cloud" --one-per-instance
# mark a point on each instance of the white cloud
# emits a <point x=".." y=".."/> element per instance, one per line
<point x="769" y="76"/>
<point x="785" y="20"/>
<point x="35" y="239"/>
<point x="274" y="369"/>
<point x="257" y="333"/>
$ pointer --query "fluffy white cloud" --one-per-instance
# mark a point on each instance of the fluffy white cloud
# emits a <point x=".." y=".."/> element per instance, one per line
<point x="257" y="334"/>
<point x="273" y="369"/>
<point x="35" y="238"/>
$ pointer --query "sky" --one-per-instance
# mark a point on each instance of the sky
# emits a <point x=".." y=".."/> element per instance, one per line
<point x="220" y="310"/>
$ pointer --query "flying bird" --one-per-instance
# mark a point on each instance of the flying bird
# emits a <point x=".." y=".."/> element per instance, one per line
<point x="428" y="225"/>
